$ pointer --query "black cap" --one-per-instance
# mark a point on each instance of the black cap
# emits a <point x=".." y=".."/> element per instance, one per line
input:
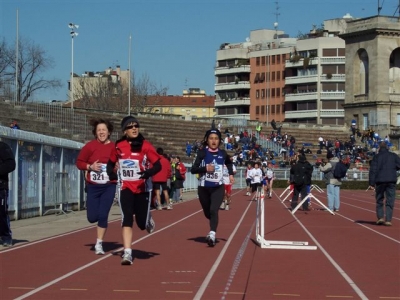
<point x="127" y="120"/>
<point x="212" y="131"/>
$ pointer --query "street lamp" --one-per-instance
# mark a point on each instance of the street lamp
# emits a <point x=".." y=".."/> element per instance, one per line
<point x="73" y="33"/>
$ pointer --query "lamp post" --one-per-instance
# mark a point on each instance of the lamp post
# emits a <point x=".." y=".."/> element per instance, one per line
<point x="73" y="33"/>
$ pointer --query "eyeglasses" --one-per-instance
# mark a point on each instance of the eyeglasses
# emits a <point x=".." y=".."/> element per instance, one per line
<point x="132" y="126"/>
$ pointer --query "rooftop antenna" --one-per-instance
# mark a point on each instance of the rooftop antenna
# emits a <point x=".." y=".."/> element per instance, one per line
<point x="380" y="6"/>
<point x="277" y="14"/>
<point x="397" y="9"/>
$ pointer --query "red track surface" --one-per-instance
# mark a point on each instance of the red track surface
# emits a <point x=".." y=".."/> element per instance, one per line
<point x="355" y="258"/>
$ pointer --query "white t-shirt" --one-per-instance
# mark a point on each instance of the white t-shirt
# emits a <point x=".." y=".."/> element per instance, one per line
<point x="226" y="174"/>
<point x="256" y="175"/>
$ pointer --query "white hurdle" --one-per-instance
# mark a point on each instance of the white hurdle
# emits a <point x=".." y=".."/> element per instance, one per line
<point x="268" y="244"/>
<point x="311" y="196"/>
<point x="288" y="194"/>
<point x="314" y="186"/>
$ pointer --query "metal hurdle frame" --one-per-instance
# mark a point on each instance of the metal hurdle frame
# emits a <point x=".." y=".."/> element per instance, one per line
<point x="311" y="196"/>
<point x="285" y="191"/>
<point x="314" y="186"/>
<point x="268" y="244"/>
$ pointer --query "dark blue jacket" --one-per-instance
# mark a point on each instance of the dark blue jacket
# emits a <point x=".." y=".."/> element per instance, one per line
<point x="383" y="167"/>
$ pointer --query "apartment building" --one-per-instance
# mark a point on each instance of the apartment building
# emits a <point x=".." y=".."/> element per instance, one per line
<point x="315" y="79"/>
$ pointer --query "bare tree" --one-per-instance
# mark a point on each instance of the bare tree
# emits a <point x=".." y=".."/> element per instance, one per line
<point x="108" y="92"/>
<point x="142" y="89"/>
<point x="32" y="62"/>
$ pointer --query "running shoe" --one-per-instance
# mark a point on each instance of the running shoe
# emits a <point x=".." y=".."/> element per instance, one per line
<point x="222" y="206"/>
<point x="169" y="207"/>
<point x="126" y="259"/>
<point x="98" y="248"/>
<point x="150" y="224"/>
<point x="227" y="207"/>
<point x="7" y="243"/>
<point x="387" y="223"/>
<point x="380" y="222"/>
<point x="159" y="207"/>
<point x="211" y="239"/>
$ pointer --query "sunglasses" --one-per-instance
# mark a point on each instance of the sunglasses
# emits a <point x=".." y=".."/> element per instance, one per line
<point x="132" y="126"/>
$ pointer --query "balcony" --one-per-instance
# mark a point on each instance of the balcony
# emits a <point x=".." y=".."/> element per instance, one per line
<point x="333" y="77"/>
<point x="300" y="63"/>
<point x="301" y="97"/>
<point x="232" y="102"/>
<point x="331" y="113"/>
<point x="235" y="116"/>
<point x="332" y="60"/>
<point x="232" y="70"/>
<point x="301" y="79"/>
<point x="333" y="95"/>
<point x="232" y="86"/>
<point x="301" y="114"/>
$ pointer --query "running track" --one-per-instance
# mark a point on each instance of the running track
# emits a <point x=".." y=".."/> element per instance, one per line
<point x="355" y="258"/>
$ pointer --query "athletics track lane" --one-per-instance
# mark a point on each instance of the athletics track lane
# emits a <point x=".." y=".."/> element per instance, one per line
<point x="174" y="263"/>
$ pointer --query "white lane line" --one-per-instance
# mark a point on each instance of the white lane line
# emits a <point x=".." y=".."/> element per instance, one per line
<point x="210" y="274"/>
<point x="361" y="208"/>
<point x="332" y="261"/>
<point x="50" y="283"/>
<point x="17" y="247"/>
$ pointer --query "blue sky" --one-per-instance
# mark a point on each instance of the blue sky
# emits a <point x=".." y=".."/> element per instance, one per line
<point x="174" y="42"/>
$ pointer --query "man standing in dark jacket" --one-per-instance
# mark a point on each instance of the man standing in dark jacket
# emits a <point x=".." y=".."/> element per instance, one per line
<point x="301" y="173"/>
<point x="382" y="176"/>
<point x="7" y="165"/>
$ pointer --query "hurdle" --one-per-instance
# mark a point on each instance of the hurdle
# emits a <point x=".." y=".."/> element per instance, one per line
<point x="314" y="186"/>
<point x="311" y="196"/>
<point x="269" y="244"/>
<point x="285" y="191"/>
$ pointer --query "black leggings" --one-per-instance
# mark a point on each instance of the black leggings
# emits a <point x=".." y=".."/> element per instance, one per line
<point x="210" y="200"/>
<point x="134" y="204"/>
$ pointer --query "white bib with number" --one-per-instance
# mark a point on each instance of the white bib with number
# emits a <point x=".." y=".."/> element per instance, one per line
<point x="129" y="169"/>
<point x="100" y="177"/>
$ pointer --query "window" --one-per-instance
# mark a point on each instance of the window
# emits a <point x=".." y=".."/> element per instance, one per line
<point x="273" y="93"/>
<point x="257" y="110"/>
<point x="278" y="75"/>
<point x="273" y="76"/>
<point x="257" y="78"/>
<point x="263" y="110"/>
<point x="272" y="109"/>
<point x="257" y="94"/>
<point x="262" y="93"/>
<point x="278" y="108"/>
<point x="278" y="92"/>
<point x="268" y="93"/>
<point x="263" y="60"/>
<point x="273" y="59"/>
<point x="262" y="77"/>
<point x="257" y="61"/>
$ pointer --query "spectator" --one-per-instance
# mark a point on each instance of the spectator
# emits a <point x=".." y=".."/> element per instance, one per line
<point x="301" y="173"/>
<point x="332" y="184"/>
<point x="7" y="165"/>
<point x="273" y="124"/>
<point x="160" y="180"/>
<point x="14" y="125"/>
<point x="382" y="177"/>
<point x="188" y="149"/>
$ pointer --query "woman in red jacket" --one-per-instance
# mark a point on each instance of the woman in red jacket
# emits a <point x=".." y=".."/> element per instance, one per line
<point x="134" y="156"/>
<point x="93" y="159"/>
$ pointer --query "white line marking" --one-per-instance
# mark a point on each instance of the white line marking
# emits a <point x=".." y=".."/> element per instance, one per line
<point x="98" y="260"/>
<point x="210" y="274"/>
<point x="332" y="261"/>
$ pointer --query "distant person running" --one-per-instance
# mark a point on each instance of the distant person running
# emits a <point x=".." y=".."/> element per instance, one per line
<point x="93" y="160"/>
<point x="209" y="164"/>
<point x="133" y="155"/>
<point x="228" y="187"/>
<point x="248" y="178"/>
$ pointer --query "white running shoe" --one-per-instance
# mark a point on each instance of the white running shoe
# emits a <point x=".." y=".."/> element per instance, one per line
<point x="227" y="207"/>
<point x="211" y="239"/>
<point x="169" y="207"/>
<point x="126" y="259"/>
<point x="222" y="206"/>
<point x="98" y="248"/>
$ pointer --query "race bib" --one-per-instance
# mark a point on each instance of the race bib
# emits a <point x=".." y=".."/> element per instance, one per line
<point x="100" y="177"/>
<point x="216" y="176"/>
<point x="129" y="169"/>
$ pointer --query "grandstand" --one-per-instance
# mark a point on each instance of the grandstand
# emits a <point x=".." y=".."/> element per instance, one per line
<point x="169" y="132"/>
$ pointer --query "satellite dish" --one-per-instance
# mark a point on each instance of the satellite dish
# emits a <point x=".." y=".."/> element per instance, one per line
<point x="247" y="39"/>
<point x="276" y="25"/>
